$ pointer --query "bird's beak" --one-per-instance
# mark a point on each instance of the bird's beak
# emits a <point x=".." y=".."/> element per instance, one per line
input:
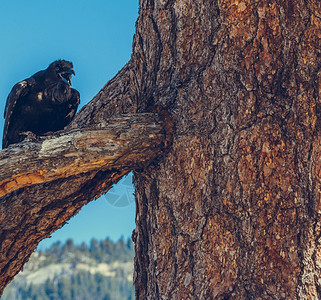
<point x="66" y="75"/>
<point x="71" y="71"/>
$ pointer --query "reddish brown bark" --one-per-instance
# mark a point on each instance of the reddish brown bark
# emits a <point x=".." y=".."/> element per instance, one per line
<point x="233" y="210"/>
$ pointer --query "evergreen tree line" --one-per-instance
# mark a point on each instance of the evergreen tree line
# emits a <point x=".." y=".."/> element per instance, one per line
<point x="80" y="284"/>
<point x="102" y="251"/>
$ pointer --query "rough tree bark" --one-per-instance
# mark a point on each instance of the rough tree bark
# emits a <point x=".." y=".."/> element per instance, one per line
<point x="232" y="210"/>
<point x="120" y="143"/>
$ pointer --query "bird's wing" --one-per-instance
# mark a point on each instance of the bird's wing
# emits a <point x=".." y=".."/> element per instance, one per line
<point x="18" y="91"/>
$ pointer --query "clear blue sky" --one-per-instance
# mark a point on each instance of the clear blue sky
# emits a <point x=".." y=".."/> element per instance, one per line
<point x="97" y="37"/>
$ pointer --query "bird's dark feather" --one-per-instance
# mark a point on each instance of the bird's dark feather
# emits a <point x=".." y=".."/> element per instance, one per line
<point x="42" y="103"/>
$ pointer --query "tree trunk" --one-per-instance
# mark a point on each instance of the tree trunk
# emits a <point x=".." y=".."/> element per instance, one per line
<point x="232" y="209"/>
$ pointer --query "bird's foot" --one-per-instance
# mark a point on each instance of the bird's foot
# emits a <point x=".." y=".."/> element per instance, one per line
<point x="28" y="136"/>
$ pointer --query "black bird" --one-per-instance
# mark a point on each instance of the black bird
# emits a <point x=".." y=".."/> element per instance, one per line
<point x="42" y="103"/>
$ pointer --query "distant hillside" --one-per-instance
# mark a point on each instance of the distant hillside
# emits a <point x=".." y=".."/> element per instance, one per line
<point x="101" y="271"/>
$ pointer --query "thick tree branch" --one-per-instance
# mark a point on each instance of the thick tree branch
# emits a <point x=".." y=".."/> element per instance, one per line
<point x="46" y="182"/>
<point x="123" y="142"/>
